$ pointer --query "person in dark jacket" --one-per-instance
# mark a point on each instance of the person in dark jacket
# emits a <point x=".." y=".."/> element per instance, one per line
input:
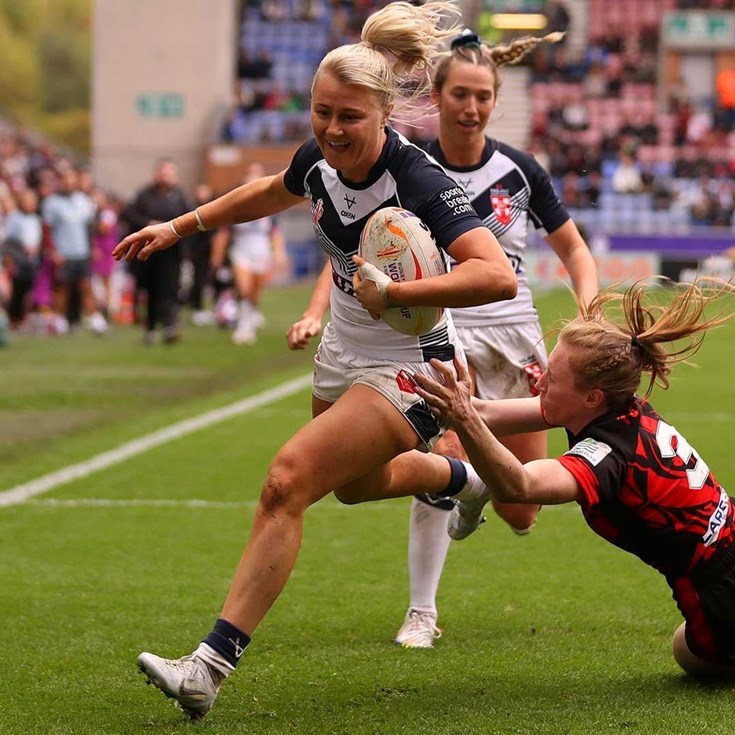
<point x="160" y="201"/>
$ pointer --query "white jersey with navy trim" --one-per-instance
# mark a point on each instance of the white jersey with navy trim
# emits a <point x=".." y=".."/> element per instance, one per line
<point x="508" y="188"/>
<point x="256" y="233"/>
<point x="404" y="176"/>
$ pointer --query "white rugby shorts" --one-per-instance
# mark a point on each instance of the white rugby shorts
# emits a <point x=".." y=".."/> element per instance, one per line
<point x="254" y="255"/>
<point x="507" y="359"/>
<point x="337" y="368"/>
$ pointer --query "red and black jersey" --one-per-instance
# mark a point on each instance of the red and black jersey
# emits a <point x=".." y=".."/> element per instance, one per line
<point x="647" y="491"/>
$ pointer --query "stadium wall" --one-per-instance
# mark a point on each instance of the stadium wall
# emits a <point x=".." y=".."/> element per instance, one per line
<point x="163" y="76"/>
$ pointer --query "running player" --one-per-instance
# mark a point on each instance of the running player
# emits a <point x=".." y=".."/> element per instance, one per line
<point x="255" y="249"/>
<point x="367" y="415"/>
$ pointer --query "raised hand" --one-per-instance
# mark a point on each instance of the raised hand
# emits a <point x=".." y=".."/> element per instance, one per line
<point x="145" y="242"/>
<point x="451" y="399"/>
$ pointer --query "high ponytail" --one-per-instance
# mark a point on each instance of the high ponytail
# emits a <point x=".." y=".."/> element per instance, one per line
<point x="398" y="48"/>
<point x="647" y="338"/>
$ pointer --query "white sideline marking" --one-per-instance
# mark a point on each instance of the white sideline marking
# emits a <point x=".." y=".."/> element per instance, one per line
<point x="211" y="504"/>
<point x="141" y="503"/>
<point x="21" y="493"/>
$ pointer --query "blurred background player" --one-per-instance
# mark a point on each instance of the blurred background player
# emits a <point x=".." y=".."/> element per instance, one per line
<point x="256" y="250"/>
<point x="106" y="236"/>
<point x="22" y="253"/>
<point x="640" y="484"/>
<point x="198" y="250"/>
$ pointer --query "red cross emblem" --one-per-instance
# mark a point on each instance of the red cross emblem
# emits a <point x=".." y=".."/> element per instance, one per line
<point x="500" y="199"/>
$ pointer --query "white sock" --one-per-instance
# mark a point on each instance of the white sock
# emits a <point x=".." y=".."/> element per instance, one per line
<point x="474" y="488"/>
<point x="246" y="314"/>
<point x="428" y="543"/>
<point x="218" y="662"/>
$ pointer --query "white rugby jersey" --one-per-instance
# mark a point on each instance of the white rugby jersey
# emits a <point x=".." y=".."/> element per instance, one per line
<point x="508" y="188"/>
<point x="256" y="233"/>
<point x="404" y="176"/>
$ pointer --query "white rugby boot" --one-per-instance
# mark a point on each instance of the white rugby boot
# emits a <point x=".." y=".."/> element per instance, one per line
<point x="188" y="680"/>
<point x="467" y="516"/>
<point x="418" y="630"/>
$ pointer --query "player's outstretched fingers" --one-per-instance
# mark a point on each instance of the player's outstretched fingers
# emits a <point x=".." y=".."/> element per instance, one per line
<point x="463" y="373"/>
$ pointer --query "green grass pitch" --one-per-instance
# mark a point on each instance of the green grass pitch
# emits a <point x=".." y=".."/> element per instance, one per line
<point x="556" y="633"/>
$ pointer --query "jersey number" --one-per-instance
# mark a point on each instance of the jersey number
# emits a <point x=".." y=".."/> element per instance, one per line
<point x="665" y="435"/>
<point x="515" y="262"/>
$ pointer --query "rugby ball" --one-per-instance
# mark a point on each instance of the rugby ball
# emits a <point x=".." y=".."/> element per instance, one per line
<point x="399" y="244"/>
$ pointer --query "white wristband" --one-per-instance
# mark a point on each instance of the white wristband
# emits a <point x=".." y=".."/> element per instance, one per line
<point x="173" y="229"/>
<point x="200" y="224"/>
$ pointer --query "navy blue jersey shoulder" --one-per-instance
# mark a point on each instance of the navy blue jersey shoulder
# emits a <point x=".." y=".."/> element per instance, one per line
<point x="404" y="176"/>
<point x="434" y="149"/>
<point x="518" y="175"/>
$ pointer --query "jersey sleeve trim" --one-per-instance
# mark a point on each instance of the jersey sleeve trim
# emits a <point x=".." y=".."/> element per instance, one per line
<point x="584" y="476"/>
<point x="306" y="157"/>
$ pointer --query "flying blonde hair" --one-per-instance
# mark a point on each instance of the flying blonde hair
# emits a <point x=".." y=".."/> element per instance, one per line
<point x="398" y="47"/>
<point x="612" y="354"/>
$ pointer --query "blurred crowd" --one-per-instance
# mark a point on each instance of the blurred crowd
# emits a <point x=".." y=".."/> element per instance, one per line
<point x="602" y="122"/>
<point x="281" y="43"/>
<point x="58" y="229"/>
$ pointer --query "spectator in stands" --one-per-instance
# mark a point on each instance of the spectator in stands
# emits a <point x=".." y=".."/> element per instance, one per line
<point x="575" y="115"/>
<point x="254" y="68"/>
<point x="612" y="40"/>
<point x="160" y="201"/>
<point x="614" y="71"/>
<point x="699" y="126"/>
<point x="626" y="178"/>
<point x="594" y="83"/>
<point x="309" y="10"/>
<point x="725" y="86"/>
<point x="639" y="129"/>
<point x="274" y="10"/>
<point x="69" y="213"/>
<point x="557" y="18"/>
<point x="590" y="194"/>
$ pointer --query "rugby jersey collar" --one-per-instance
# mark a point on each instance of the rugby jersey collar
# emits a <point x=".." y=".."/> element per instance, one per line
<point x="490" y="147"/>
<point x="380" y="166"/>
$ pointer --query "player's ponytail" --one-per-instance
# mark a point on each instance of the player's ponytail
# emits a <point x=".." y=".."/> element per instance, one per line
<point x="399" y="45"/>
<point x="613" y="354"/>
<point x="469" y="49"/>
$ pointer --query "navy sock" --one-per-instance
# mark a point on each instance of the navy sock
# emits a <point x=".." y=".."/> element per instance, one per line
<point x="457" y="478"/>
<point x="229" y="641"/>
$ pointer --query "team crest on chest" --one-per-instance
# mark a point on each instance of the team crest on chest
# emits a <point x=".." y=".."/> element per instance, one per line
<point x="500" y="200"/>
<point x="317" y="210"/>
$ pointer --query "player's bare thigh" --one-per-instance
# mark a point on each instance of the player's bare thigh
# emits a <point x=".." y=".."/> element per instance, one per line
<point x="346" y="446"/>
